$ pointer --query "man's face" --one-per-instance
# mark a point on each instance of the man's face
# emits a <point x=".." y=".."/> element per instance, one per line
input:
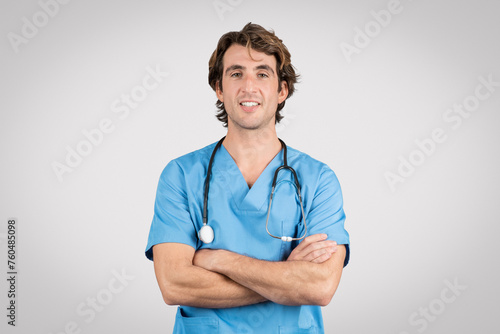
<point x="250" y="88"/>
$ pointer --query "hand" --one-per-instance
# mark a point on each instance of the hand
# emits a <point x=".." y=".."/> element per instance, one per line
<point x="204" y="258"/>
<point x="314" y="248"/>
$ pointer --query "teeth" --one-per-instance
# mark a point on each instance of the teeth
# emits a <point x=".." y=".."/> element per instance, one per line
<point x="249" y="104"/>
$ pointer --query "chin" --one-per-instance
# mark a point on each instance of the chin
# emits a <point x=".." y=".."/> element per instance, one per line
<point x="250" y="123"/>
<point x="248" y="126"/>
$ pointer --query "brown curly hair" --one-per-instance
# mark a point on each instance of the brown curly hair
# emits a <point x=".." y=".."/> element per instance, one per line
<point x="253" y="37"/>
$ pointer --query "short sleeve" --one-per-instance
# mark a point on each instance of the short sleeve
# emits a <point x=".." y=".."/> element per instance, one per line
<point x="327" y="213"/>
<point x="171" y="221"/>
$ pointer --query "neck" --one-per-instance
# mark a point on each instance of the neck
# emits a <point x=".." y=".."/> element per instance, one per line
<point x="255" y="147"/>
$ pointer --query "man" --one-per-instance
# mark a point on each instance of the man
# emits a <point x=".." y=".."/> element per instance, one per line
<point x="245" y="281"/>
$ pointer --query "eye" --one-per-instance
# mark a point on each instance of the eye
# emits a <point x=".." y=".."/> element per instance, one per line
<point x="236" y="75"/>
<point x="263" y="75"/>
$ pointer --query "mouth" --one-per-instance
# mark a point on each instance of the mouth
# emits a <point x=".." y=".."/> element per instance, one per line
<point x="249" y="104"/>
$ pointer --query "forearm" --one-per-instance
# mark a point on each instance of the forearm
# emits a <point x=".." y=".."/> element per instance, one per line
<point x="197" y="287"/>
<point x="289" y="283"/>
<point x="182" y="283"/>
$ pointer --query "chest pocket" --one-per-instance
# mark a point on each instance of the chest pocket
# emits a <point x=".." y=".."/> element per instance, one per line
<point x="285" y="204"/>
<point x="285" y="211"/>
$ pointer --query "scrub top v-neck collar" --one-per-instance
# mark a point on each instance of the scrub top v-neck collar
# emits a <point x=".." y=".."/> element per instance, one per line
<point x="245" y="198"/>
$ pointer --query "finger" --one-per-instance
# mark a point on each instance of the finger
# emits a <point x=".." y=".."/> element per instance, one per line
<point x="315" y="237"/>
<point x="322" y="258"/>
<point x="312" y="247"/>
<point x="317" y="246"/>
<point x="312" y="253"/>
<point x="311" y="240"/>
<point x="320" y="253"/>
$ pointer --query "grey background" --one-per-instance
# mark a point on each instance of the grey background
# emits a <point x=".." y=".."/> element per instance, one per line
<point x="359" y="117"/>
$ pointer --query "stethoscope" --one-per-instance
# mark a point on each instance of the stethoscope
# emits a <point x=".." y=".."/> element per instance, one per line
<point x="206" y="233"/>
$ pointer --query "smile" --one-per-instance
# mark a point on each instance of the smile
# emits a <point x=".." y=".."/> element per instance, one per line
<point x="249" y="104"/>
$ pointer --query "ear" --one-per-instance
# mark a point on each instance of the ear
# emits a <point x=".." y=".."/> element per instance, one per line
<point x="283" y="94"/>
<point x="218" y="91"/>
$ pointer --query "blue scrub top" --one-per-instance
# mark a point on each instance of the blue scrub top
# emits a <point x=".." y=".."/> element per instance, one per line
<point x="237" y="215"/>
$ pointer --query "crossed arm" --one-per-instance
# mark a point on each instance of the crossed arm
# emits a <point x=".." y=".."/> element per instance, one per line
<point x="219" y="278"/>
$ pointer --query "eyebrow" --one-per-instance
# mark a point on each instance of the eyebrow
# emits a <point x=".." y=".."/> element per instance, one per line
<point x="239" y="67"/>
<point x="233" y="67"/>
<point x="265" y="67"/>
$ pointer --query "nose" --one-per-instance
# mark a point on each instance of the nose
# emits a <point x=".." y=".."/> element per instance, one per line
<point x="249" y="85"/>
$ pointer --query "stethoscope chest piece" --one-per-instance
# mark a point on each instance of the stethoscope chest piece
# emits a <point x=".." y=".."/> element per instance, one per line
<point x="206" y="234"/>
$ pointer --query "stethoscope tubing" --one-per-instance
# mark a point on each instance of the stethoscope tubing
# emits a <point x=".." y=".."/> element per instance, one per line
<point x="273" y="187"/>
